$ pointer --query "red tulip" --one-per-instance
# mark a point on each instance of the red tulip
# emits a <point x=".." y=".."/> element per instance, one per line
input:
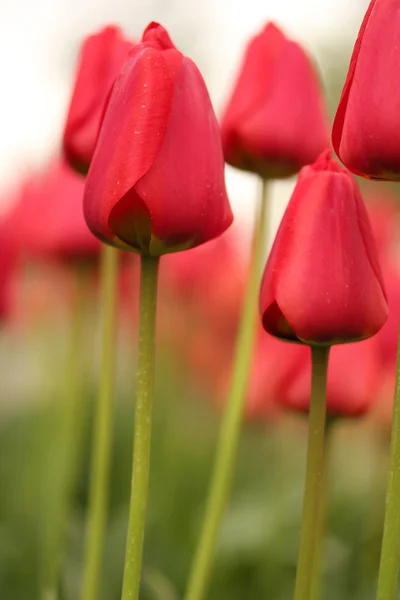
<point x="101" y="58"/>
<point x="48" y="220"/>
<point x="156" y="182"/>
<point x="275" y="122"/>
<point x="322" y="283"/>
<point x="366" y="131"/>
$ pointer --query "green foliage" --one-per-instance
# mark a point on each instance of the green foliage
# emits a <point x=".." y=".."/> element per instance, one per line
<point x="257" y="550"/>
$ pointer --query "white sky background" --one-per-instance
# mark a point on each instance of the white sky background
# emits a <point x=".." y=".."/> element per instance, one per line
<point x="39" y="40"/>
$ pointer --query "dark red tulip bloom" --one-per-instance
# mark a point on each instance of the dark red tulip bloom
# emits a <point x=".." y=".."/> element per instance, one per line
<point x="354" y="379"/>
<point x="101" y="58"/>
<point x="322" y="283"/>
<point x="156" y="182"/>
<point x="275" y="122"/>
<point x="366" y="130"/>
<point x="48" y="219"/>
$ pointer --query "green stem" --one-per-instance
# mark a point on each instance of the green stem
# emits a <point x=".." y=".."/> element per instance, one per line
<point x="313" y="493"/>
<point x="390" y="554"/>
<point x="68" y="423"/>
<point x="321" y="525"/>
<point x="231" y="423"/>
<point x="101" y="445"/>
<point x="365" y="564"/>
<point x="142" y="434"/>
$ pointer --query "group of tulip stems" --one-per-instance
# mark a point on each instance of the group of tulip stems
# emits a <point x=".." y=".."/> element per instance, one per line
<point x="307" y="580"/>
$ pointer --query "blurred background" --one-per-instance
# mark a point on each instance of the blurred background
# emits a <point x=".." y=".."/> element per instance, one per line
<point x="39" y="44"/>
<point x="49" y="329"/>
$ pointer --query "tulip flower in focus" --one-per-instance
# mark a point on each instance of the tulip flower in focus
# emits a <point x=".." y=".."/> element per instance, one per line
<point x="366" y="130"/>
<point x="48" y="220"/>
<point x="101" y="58"/>
<point x="323" y="283"/>
<point x="156" y="182"/>
<point x="275" y="121"/>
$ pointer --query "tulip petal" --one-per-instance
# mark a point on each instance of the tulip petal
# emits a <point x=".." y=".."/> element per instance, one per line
<point x="155" y="32"/>
<point x="101" y="58"/>
<point x="186" y="181"/>
<point x="365" y="133"/>
<point x="341" y="110"/>
<point x="278" y="127"/>
<point x="254" y="81"/>
<point x="132" y="133"/>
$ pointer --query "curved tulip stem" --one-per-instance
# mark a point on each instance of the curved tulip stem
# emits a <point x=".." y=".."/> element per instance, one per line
<point x="231" y="423"/>
<point x="313" y="494"/>
<point x="101" y="444"/>
<point x="142" y="434"/>
<point x="390" y="554"/>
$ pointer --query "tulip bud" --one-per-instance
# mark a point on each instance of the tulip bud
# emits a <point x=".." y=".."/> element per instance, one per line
<point x="275" y="122"/>
<point x="156" y="182"/>
<point x="322" y="283"/>
<point x="366" y="130"/>
<point x="101" y="58"/>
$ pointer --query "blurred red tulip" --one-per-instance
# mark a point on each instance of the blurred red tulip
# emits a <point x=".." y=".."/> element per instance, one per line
<point x="42" y="292"/>
<point x="386" y="342"/>
<point x="275" y="121"/>
<point x="156" y="182"/>
<point x="202" y="291"/>
<point x="353" y="381"/>
<point x="210" y="279"/>
<point x="383" y="210"/>
<point x="101" y="58"/>
<point x="366" y="130"/>
<point x="7" y="264"/>
<point x="275" y="365"/>
<point x="47" y="221"/>
<point x="387" y="338"/>
<point x="322" y="283"/>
